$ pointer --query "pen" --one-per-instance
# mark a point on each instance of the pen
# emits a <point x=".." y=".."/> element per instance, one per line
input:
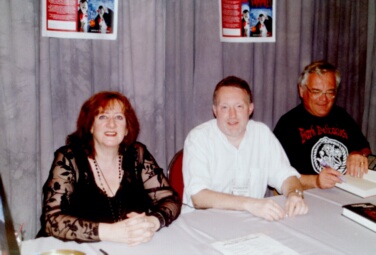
<point x="324" y="164"/>
<point x="343" y="179"/>
<point x="104" y="253"/>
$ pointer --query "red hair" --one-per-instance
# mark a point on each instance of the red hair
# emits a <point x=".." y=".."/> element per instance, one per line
<point x="95" y="105"/>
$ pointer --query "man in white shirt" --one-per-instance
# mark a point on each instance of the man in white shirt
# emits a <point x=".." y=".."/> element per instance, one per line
<point x="229" y="161"/>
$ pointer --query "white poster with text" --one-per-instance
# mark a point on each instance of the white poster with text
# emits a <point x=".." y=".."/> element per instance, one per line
<point x="82" y="19"/>
<point x="247" y="20"/>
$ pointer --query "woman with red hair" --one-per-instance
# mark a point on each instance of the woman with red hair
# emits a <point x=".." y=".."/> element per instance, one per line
<point x="103" y="184"/>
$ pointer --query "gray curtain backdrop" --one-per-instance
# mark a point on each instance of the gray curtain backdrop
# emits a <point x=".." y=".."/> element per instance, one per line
<point x="167" y="60"/>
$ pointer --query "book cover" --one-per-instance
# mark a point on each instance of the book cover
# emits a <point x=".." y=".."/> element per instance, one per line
<point x="362" y="213"/>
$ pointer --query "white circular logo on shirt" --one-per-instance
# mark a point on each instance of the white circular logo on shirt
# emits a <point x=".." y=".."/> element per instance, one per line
<point x="329" y="152"/>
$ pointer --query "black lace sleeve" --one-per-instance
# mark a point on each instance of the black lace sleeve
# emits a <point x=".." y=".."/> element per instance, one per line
<point x="166" y="204"/>
<point x="57" y="192"/>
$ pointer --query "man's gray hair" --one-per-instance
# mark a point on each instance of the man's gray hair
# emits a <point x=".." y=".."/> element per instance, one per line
<point x="318" y="67"/>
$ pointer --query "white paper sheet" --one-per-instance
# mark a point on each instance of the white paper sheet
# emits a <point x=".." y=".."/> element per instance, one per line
<point x="258" y="244"/>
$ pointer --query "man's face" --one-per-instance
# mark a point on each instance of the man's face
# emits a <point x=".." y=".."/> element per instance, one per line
<point x="83" y="7"/>
<point x="246" y="16"/>
<point x="316" y="103"/>
<point x="232" y="110"/>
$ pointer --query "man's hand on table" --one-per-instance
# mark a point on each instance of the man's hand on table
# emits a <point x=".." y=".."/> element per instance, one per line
<point x="295" y="204"/>
<point x="357" y="165"/>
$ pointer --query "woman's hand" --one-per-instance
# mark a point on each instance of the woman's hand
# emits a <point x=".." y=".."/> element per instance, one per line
<point x="137" y="228"/>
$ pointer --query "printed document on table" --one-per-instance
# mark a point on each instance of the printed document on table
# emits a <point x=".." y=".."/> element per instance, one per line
<point x="258" y="244"/>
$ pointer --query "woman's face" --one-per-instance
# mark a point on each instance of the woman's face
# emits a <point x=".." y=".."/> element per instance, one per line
<point x="109" y="127"/>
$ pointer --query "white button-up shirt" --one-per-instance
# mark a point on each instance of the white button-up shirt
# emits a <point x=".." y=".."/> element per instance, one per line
<point x="211" y="162"/>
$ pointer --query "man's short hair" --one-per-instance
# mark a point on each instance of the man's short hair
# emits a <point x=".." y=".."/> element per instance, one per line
<point x="318" y="67"/>
<point x="232" y="81"/>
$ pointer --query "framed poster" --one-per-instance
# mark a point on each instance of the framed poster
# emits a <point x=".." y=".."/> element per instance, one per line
<point x="247" y="20"/>
<point x="86" y="19"/>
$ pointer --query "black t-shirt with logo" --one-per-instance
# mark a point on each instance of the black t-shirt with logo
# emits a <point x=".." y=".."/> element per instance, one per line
<point x="313" y="142"/>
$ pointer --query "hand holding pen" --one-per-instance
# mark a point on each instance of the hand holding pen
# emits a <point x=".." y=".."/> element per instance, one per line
<point x="328" y="177"/>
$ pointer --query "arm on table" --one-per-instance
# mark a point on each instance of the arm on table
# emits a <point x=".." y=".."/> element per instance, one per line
<point x="136" y="229"/>
<point x="58" y="188"/>
<point x="293" y="190"/>
<point x="327" y="179"/>
<point x="165" y="205"/>
<point x="264" y="208"/>
<point x="357" y="162"/>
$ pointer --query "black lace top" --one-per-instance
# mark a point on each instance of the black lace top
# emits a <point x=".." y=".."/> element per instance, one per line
<point x="73" y="204"/>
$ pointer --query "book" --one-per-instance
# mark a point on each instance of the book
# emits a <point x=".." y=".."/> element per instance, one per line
<point x="362" y="213"/>
<point x="362" y="187"/>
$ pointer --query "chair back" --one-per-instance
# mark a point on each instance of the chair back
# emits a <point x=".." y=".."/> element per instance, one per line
<point x="175" y="173"/>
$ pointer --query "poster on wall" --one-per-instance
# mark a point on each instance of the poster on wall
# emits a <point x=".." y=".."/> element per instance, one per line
<point x="247" y="20"/>
<point x="80" y="19"/>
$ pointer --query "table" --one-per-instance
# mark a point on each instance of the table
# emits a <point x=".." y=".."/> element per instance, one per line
<point x="338" y="196"/>
<point x="322" y="231"/>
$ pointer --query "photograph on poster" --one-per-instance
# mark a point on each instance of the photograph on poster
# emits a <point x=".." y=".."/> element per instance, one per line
<point x="247" y="20"/>
<point x="82" y="19"/>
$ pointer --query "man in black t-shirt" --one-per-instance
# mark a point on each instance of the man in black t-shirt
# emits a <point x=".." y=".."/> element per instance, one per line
<point x="321" y="140"/>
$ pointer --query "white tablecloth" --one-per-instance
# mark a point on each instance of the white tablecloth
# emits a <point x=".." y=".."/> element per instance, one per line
<point x="322" y="231"/>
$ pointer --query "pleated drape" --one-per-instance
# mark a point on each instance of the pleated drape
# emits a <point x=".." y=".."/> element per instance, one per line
<point x="167" y="60"/>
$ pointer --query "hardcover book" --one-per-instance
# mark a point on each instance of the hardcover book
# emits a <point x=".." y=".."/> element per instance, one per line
<point x="362" y="213"/>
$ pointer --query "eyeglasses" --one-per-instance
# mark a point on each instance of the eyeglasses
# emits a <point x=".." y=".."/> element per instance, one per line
<point x="331" y="93"/>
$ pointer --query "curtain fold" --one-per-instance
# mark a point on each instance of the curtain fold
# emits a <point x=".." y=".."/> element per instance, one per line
<point x="369" y="116"/>
<point x="18" y="110"/>
<point x="179" y="73"/>
<point x="167" y="60"/>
